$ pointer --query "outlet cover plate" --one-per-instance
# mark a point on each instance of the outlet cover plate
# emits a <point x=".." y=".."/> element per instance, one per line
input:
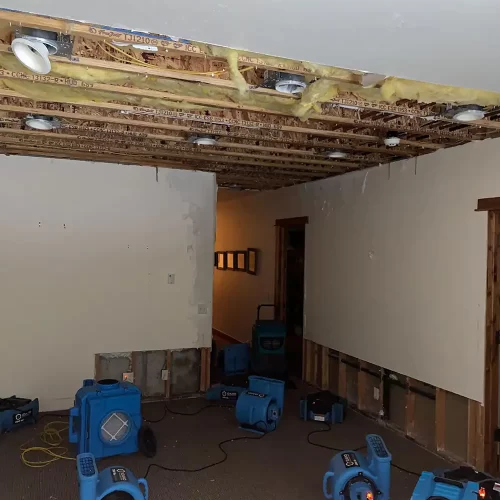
<point x="171" y="279"/>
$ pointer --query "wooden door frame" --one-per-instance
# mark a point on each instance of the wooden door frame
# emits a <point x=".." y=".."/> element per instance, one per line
<point x="489" y="420"/>
<point x="282" y="226"/>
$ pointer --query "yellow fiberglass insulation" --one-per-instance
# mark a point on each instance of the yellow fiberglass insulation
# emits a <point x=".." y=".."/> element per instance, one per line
<point x="232" y="60"/>
<point x="141" y="81"/>
<point x="394" y="89"/>
<point x="320" y="91"/>
<point x="280" y="63"/>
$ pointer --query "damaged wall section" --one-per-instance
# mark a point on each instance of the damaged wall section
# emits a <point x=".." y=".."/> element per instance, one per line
<point x="185" y="374"/>
<point x="403" y="404"/>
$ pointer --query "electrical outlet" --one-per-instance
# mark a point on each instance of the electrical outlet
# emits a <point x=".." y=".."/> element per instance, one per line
<point x="202" y="309"/>
<point x="376" y="393"/>
<point x="164" y="374"/>
<point x="128" y="377"/>
<point x="171" y="279"/>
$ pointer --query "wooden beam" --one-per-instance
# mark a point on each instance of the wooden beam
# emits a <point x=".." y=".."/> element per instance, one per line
<point x="325" y="368"/>
<point x="158" y="72"/>
<point x="156" y="94"/>
<point x="139" y="138"/>
<point x="342" y="377"/>
<point x="133" y="111"/>
<point x="475" y="439"/>
<point x="440" y="419"/>
<point x="131" y="136"/>
<point x="410" y="409"/>
<point x="169" y="155"/>
<point x="485" y="204"/>
<point x="205" y="369"/>
<point x="222" y="178"/>
<point x="293" y="221"/>
<point x="362" y="385"/>
<point x="304" y="359"/>
<point x="165" y="43"/>
<point x="158" y="148"/>
<point x="316" y="374"/>
<point x="168" y="367"/>
<point x="187" y="76"/>
<point x="491" y="361"/>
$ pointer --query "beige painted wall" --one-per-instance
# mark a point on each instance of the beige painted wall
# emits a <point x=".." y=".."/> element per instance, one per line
<point x="395" y="263"/>
<point x="86" y="250"/>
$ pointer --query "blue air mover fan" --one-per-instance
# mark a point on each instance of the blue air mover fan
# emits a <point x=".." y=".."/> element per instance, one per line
<point x="431" y="487"/>
<point x="259" y="409"/>
<point x="106" y="418"/>
<point x="17" y="412"/>
<point x="113" y="483"/>
<point x="354" y="476"/>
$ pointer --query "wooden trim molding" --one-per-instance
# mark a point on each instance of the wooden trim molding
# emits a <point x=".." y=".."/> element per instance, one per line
<point x="485" y="204"/>
<point x="294" y="221"/>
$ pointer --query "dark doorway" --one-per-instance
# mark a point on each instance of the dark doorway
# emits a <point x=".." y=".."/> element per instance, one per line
<point x="289" y="289"/>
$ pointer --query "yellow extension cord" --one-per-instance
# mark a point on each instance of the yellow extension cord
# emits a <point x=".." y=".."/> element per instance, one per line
<point x="52" y="437"/>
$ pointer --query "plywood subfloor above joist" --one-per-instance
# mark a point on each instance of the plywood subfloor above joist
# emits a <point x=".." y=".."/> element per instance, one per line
<point x="131" y="105"/>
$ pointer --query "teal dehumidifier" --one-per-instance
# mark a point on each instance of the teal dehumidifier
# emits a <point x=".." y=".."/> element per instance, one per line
<point x="268" y="346"/>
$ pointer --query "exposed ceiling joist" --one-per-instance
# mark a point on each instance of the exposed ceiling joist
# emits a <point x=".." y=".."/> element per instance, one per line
<point x="135" y="105"/>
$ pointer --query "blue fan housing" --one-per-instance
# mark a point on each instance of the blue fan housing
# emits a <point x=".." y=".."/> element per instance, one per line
<point x="95" y="485"/>
<point x="106" y="418"/>
<point x="431" y="486"/>
<point x="352" y="475"/>
<point x="259" y="409"/>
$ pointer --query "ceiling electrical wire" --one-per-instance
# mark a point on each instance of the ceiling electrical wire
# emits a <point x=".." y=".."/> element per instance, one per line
<point x="133" y="59"/>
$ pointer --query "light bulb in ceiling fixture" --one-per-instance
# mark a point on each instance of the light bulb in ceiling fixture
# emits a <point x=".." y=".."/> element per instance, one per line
<point x="392" y="139"/>
<point x="41" y="122"/>
<point x="336" y="154"/>
<point x="33" y="54"/>
<point x="290" y="84"/>
<point x="204" y="141"/>
<point x="469" y="115"/>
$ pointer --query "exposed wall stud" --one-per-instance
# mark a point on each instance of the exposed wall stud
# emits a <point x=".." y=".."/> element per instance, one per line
<point x="440" y="419"/>
<point x="342" y="377"/>
<point x="325" y="368"/>
<point x="410" y="410"/>
<point x="168" y="366"/>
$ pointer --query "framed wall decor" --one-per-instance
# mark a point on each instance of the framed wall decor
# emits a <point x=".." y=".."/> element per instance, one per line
<point x="252" y="254"/>
<point x="231" y="261"/>
<point x="221" y="260"/>
<point x="241" y="260"/>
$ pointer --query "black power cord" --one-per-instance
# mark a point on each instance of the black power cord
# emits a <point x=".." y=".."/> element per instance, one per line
<point x="220" y="446"/>
<point x="319" y="445"/>
<point x="329" y="428"/>
<point x="166" y="410"/>
<point x="209" y="466"/>
<point x="402" y="469"/>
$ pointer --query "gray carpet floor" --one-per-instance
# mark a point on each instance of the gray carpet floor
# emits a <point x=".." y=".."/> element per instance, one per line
<point x="282" y="465"/>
